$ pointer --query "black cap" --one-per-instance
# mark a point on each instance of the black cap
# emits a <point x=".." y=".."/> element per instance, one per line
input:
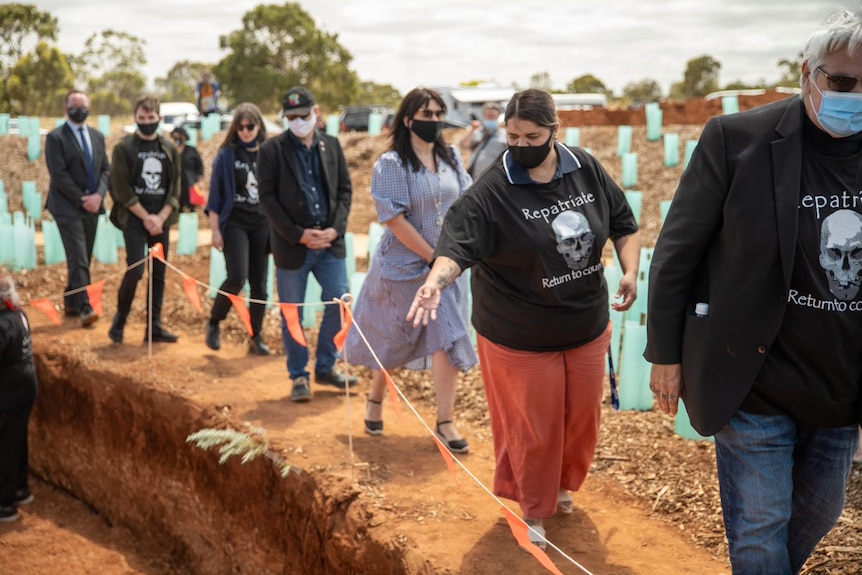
<point x="297" y="101"/>
<point x="181" y="132"/>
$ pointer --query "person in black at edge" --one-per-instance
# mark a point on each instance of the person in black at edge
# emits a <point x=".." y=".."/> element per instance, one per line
<point x="17" y="396"/>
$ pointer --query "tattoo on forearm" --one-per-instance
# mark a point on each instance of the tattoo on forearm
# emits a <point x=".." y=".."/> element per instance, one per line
<point x="448" y="273"/>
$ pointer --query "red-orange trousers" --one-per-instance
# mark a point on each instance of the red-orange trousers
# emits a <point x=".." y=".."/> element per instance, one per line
<point x="545" y="410"/>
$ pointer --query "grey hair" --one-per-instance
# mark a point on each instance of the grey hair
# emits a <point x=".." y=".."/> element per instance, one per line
<point x="8" y="291"/>
<point x="841" y="30"/>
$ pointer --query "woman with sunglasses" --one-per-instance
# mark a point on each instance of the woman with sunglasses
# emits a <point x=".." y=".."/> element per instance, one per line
<point x="413" y="185"/>
<point x="239" y="228"/>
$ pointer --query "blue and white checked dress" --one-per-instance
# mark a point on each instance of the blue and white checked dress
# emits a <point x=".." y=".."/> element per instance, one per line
<point x="396" y="273"/>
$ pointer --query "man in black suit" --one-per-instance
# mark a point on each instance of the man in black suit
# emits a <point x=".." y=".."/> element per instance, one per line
<point x="755" y="311"/>
<point x="78" y="166"/>
<point x="305" y="193"/>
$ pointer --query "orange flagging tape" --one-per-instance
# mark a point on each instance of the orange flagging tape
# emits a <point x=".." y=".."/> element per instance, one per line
<point x="190" y="287"/>
<point x="450" y="463"/>
<point x="519" y="530"/>
<point x="46" y="307"/>
<point x="290" y="312"/>
<point x="94" y="292"/>
<point x="393" y="397"/>
<point x="158" y="251"/>
<point x="242" y="311"/>
<point x="346" y="322"/>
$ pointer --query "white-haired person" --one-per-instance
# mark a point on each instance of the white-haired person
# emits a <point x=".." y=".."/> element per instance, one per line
<point x="765" y="236"/>
<point x="17" y="396"/>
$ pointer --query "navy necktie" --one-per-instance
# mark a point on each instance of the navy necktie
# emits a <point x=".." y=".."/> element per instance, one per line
<point x="88" y="158"/>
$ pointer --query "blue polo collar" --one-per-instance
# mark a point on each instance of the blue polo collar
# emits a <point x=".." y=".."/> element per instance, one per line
<point x="567" y="162"/>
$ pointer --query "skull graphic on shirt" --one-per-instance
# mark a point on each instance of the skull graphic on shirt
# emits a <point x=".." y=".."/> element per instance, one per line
<point x="151" y="172"/>
<point x="841" y="253"/>
<point x="251" y="188"/>
<point x="574" y="238"/>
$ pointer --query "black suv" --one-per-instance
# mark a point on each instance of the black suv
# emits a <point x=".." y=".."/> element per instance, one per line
<point x="355" y="118"/>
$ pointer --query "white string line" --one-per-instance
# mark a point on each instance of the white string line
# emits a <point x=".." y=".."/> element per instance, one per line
<point x="128" y="268"/>
<point x="452" y="455"/>
<point x="336" y="301"/>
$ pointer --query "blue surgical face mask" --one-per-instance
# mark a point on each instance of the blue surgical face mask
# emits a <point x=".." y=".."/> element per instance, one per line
<point x="840" y="113"/>
<point x="490" y="125"/>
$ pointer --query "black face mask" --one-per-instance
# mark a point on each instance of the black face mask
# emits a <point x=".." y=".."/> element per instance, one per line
<point x="427" y="131"/>
<point x="528" y="157"/>
<point x="148" y="129"/>
<point x="78" y="115"/>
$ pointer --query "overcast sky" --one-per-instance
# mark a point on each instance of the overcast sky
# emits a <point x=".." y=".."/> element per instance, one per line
<point x="408" y="43"/>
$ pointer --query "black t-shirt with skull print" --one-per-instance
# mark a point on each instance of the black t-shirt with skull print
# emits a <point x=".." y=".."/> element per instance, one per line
<point x="535" y="251"/>
<point x="246" y="202"/>
<point x="152" y="178"/>
<point x="816" y="379"/>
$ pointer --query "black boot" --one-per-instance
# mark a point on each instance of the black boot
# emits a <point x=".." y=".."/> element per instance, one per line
<point x="117" y="325"/>
<point x="257" y="347"/>
<point x="213" y="336"/>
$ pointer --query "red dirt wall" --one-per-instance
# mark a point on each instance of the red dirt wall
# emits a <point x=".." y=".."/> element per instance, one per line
<point x="691" y="112"/>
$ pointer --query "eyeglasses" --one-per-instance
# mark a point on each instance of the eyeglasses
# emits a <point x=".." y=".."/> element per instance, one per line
<point x="246" y="127"/>
<point x="839" y="83"/>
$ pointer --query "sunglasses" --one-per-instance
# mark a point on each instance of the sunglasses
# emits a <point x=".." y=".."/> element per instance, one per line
<point x="839" y="83"/>
<point x="246" y="127"/>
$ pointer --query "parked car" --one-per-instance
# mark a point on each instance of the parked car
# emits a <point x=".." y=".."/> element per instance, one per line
<point x="355" y="118"/>
<point x="13" y="128"/>
<point x="173" y="114"/>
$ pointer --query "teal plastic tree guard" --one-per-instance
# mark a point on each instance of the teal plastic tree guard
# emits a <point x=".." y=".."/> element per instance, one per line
<point x="4" y="202"/>
<point x="23" y="126"/>
<point x="32" y="200"/>
<point x="664" y="208"/>
<point x="271" y="292"/>
<point x="104" y="123"/>
<point x="624" y="140"/>
<point x="630" y="170"/>
<point x="187" y="244"/>
<point x="633" y="381"/>
<point x="671" y="150"/>
<point x="119" y="239"/>
<point x="313" y="294"/>
<point x="54" y="252"/>
<point x="332" y="124"/>
<point x="375" y="232"/>
<point x="193" y="137"/>
<point x="690" y="145"/>
<point x="7" y="240"/>
<point x="729" y="105"/>
<point x="682" y="425"/>
<point x="637" y="312"/>
<point x="350" y="253"/>
<point x="589" y="151"/>
<point x="4" y="124"/>
<point x="617" y="319"/>
<point x="35" y="126"/>
<point x="105" y="248"/>
<point x="635" y="199"/>
<point x="375" y="123"/>
<point x="24" y="241"/>
<point x="356" y="281"/>
<point x="218" y="271"/>
<point x="653" y="121"/>
<point x="59" y="122"/>
<point x="34" y="147"/>
<point x="573" y="137"/>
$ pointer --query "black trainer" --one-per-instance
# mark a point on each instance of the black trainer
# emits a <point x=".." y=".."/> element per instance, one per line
<point x="213" y="336"/>
<point x="117" y="325"/>
<point x="335" y="379"/>
<point x="257" y="347"/>
<point x="88" y="316"/>
<point x="300" y="393"/>
<point x="23" y="497"/>
<point x="161" y="335"/>
<point x="9" y="513"/>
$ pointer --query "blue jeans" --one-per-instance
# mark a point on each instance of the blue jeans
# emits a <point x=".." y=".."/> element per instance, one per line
<point x="331" y="274"/>
<point x="782" y="488"/>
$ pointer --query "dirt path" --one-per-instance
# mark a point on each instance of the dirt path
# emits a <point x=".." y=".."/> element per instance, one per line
<point x="401" y="474"/>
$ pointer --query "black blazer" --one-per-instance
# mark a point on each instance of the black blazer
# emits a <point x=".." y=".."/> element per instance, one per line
<point x="68" y="170"/>
<point x="729" y="240"/>
<point x="283" y="202"/>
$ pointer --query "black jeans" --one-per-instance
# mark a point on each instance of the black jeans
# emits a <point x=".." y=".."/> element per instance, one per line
<point x="245" y="257"/>
<point x="13" y="452"/>
<point x="79" y="236"/>
<point x="137" y="240"/>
